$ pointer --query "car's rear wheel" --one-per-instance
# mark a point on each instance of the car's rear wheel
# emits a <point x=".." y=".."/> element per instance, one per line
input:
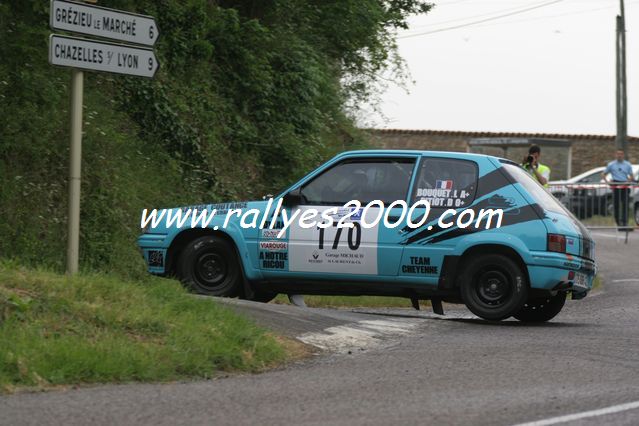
<point x="493" y="287"/>
<point x="541" y="309"/>
<point x="208" y="265"/>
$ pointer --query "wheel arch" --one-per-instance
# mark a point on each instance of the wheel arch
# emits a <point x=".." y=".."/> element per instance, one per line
<point x="492" y="248"/>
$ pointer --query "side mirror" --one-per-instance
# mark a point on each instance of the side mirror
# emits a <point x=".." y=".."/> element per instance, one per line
<point x="293" y="198"/>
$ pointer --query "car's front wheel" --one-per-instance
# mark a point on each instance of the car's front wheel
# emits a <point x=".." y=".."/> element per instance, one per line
<point x="208" y="265"/>
<point x="493" y="287"/>
<point x="541" y="309"/>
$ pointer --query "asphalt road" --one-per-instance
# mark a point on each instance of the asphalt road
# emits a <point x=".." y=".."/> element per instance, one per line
<point x="406" y="367"/>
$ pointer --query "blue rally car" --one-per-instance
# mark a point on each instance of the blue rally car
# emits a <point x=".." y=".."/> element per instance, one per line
<point x="524" y="268"/>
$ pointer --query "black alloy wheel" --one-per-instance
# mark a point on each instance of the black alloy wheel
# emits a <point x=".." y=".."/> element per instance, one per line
<point x="209" y="265"/>
<point x="493" y="286"/>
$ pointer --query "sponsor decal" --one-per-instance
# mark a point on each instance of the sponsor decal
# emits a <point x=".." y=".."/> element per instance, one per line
<point x="315" y="258"/>
<point x="273" y="260"/>
<point x="344" y="258"/>
<point x="354" y="212"/>
<point x="270" y="233"/>
<point x="274" y="245"/>
<point x="156" y="258"/>
<point x="420" y="265"/>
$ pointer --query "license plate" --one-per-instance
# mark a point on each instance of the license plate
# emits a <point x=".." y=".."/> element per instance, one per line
<point x="581" y="281"/>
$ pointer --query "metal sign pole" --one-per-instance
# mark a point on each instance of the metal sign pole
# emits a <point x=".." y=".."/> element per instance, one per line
<point x="75" y="163"/>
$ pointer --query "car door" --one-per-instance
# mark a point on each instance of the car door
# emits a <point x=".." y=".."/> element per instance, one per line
<point x="446" y="183"/>
<point x="355" y="251"/>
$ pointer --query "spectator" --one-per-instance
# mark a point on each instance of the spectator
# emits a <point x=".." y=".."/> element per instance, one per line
<point x="620" y="170"/>
<point x="532" y="165"/>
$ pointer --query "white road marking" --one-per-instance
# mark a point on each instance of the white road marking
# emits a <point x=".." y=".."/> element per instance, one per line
<point x="586" y="414"/>
<point x="359" y="335"/>
<point x="628" y="280"/>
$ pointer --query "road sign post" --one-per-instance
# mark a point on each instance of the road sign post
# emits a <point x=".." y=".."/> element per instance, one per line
<point x="92" y="55"/>
<point x="75" y="163"/>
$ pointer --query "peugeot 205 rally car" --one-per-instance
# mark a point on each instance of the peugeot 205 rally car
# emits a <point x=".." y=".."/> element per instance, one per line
<point x="524" y="268"/>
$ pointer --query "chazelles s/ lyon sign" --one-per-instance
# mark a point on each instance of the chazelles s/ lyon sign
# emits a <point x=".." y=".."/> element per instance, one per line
<point x="101" y="56"/>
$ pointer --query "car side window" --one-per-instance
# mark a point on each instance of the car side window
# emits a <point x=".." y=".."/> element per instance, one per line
<point x="446" y="183"/>
<point x="364" y="180"/>
<point x="592" y="178"/>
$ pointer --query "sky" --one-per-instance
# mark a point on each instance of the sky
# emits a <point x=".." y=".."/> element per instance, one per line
<point x="549" y="70"/>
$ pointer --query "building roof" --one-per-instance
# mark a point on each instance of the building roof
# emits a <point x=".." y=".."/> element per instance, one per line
<point x="496" y="134"/>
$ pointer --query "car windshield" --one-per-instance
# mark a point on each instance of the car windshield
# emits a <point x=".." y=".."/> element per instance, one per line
<point x="534" y="188"/>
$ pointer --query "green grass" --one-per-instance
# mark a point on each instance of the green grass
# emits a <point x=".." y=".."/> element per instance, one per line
<point x="94" y="328"/>
<point x="597" y="283"/>
<point x="600" y="221"/>
<point x="351" y="301"/>
<point x="607" y="221"/>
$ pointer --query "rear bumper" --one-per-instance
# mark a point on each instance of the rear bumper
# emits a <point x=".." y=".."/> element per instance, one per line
<point x="556" y="272"/>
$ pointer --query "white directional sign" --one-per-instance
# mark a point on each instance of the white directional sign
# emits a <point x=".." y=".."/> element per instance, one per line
<point x="102" y="22"/>
<point x="101" y="56"/>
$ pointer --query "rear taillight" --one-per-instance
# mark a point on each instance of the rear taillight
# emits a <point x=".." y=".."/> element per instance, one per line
<point x="557" y="243"/>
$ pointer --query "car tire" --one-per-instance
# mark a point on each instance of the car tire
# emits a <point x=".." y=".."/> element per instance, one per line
<point x="637" y="214"/>
<point x="208" y="265"/>
<point x="541" y="309"/>
<point x="493" y="286"/>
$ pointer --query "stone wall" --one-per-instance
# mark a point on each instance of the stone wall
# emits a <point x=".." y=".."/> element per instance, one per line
<point x="588" y="151"/>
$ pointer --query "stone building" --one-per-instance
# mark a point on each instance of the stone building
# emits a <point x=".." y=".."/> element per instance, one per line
<point x="566" y="155"/>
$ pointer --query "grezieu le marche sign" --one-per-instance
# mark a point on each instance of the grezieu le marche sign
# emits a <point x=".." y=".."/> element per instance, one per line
<point x="92" y="55"/>
<point x="102" y="22"/>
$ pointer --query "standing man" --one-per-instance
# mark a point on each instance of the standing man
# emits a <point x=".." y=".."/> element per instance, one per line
<point x="532" y="165"/>
<point x="620" y="171"/>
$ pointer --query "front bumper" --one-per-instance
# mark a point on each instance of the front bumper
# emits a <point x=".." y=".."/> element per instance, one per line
<point x="152" y="248"/>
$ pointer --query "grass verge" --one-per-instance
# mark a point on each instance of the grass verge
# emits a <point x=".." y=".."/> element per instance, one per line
<point x="608" y="221"/>
<point x="94" y="328"/>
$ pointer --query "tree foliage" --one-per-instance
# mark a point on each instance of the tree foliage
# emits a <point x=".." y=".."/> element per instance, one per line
<point x="250" y="95"/>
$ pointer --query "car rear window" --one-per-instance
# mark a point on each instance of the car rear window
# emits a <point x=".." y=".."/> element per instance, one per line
<point x="534" y="188"/>
<point x="446" y="183"/>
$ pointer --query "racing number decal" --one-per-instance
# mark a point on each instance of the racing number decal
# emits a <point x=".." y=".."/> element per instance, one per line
<point x="353" y="244"/>
<point x="345" y="250"/>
